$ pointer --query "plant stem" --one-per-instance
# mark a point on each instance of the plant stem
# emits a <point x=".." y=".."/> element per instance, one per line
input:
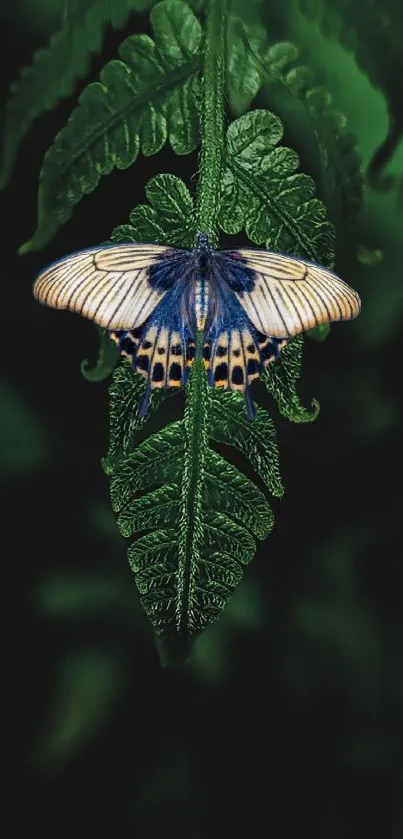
<point x="212" y="139"/>
<point x="197" y="392"/>
<point x="191" y="523"/>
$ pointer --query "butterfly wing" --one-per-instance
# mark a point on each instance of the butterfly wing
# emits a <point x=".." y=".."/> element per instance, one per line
<point x="116" y="286"/>
<point x="283" y="296"/>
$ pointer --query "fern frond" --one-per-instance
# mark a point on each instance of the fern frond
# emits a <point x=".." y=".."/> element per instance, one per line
<point x="372" y="32"/>
<point x="147" y="97"/>
<point x="200" y="514"/>
<point x="256" y="440"/>
<point x="169" y="199"/>
<point x="263" y="194"/>
<point x="281" y="379"/>
<point x="107" y="359"/>
<point x="56" y="68"/>
<point x="340" y="168"/>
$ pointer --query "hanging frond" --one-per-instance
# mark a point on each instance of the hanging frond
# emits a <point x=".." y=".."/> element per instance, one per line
<point x="372" y="32"/>
<point x="195" y="517"/>
<point x="148" y="97"/>
<point x="263" y="194"/>
<point x="56" y="68"/>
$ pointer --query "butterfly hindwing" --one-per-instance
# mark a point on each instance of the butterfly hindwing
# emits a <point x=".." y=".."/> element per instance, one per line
<point x="152" y="300"/>
<point x="111" y="285"/>
<point x="283" y="296"/>
<point x="158" y="350"/>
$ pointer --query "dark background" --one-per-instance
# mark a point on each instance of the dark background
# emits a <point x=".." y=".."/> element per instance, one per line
<point x="289" y="716"/>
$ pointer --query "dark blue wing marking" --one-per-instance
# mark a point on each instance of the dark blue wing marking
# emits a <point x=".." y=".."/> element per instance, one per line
<point x="163" y="349"/>
<point x="177" y="268"/>
<point x="238" y="351"/>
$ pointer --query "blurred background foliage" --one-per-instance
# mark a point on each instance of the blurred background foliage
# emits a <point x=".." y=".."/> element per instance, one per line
<point x="289" y="714"/>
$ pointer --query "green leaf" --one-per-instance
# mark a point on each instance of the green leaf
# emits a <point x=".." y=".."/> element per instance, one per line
<point x="281" y="379"/>
<point x="147" y="97"/>
<point x="171" y="202"/>
<point x="108" y="357"/>
<point x="372" y="32"/>
<point x="199" y="514"/>
<point x="257" y="440"/>
<point x="308" y="111"/>
<point x="196" y="516"/>
<point x="319" y="333"/>
<point x="263" y="194"/>
<point x="244" y="77"/>
<point x="126" y="392"/>
<point x="56" y="68"/>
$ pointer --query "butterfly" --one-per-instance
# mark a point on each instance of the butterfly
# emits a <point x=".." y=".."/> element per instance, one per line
<point x="154" y="299"/>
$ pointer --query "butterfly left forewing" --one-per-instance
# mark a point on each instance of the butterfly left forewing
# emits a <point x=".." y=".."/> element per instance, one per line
<point x="109" y="285"/>
<point x="284" y="296"/>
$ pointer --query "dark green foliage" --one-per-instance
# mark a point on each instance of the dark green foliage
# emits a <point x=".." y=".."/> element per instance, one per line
<point x="152" y="94"/>
<point x="195" y="518"/>
<point x="281" y="379"/>
<point x="372" y="31"/>
<point x="201" y="513"/>
<point x="263" y="194"/>
<point x="107" y="359"/>
<point x="56" y="68"/>
<point x="304" y="664"/>
<point x="170" y="200"/>
<point x="198" y="512"/>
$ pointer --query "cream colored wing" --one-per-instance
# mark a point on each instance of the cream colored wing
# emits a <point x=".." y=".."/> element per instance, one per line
<point x="108" y="285"/>
<point x="291" y="295"/>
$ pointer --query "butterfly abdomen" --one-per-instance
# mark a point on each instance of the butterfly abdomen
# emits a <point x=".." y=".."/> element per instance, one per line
<point x="201" y="302"/>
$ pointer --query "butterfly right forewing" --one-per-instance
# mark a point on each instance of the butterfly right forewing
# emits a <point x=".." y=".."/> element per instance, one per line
<point x="285" y="296"/>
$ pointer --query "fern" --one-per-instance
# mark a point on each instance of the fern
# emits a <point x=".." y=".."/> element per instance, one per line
<point x="263" y="194"/>
<point x="204" y="515"/>
<point x="193" y="518"/>
<point x="340" y="170"/>
<point x="203" y="520"/>
<point x="308" y="112"/>
<point x="151" y="95"/>
<point x="56" y="68"/>
<point x="373" y="33"/>
<point x="201" y="514"/>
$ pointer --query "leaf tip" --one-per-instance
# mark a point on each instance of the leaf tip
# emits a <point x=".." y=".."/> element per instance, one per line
<point x="174" y="651"/>
<point x="27" y="247"/>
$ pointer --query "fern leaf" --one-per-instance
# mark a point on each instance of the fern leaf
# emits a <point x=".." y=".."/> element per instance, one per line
<point x="290" y="85"/>
<point x="107" y="359"/>
<point x="226" y="488"/>
<point x="194" y="516"/>
<point x="263" y="194"/>
<point x="256" y="440"/>
<point x="127" y="391"/>
<point x="153" y="461"/>
<point x="151" y="94"/>
<point x="170" y="200"/>
<point x="244" y="77"/>
<point x="372" y="32"/>
<point x="280" y="380"/>
<point x="200" y="513"/>
<point x="55" y="69"/>
<point x="156" y="509"/>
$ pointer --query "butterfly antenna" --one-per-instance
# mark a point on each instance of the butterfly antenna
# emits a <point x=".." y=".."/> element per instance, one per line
<point x="143" y="407"/>
<point x="250" y="405"/>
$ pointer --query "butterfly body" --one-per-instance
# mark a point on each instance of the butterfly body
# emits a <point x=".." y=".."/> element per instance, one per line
<point x="154" y="300"/>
